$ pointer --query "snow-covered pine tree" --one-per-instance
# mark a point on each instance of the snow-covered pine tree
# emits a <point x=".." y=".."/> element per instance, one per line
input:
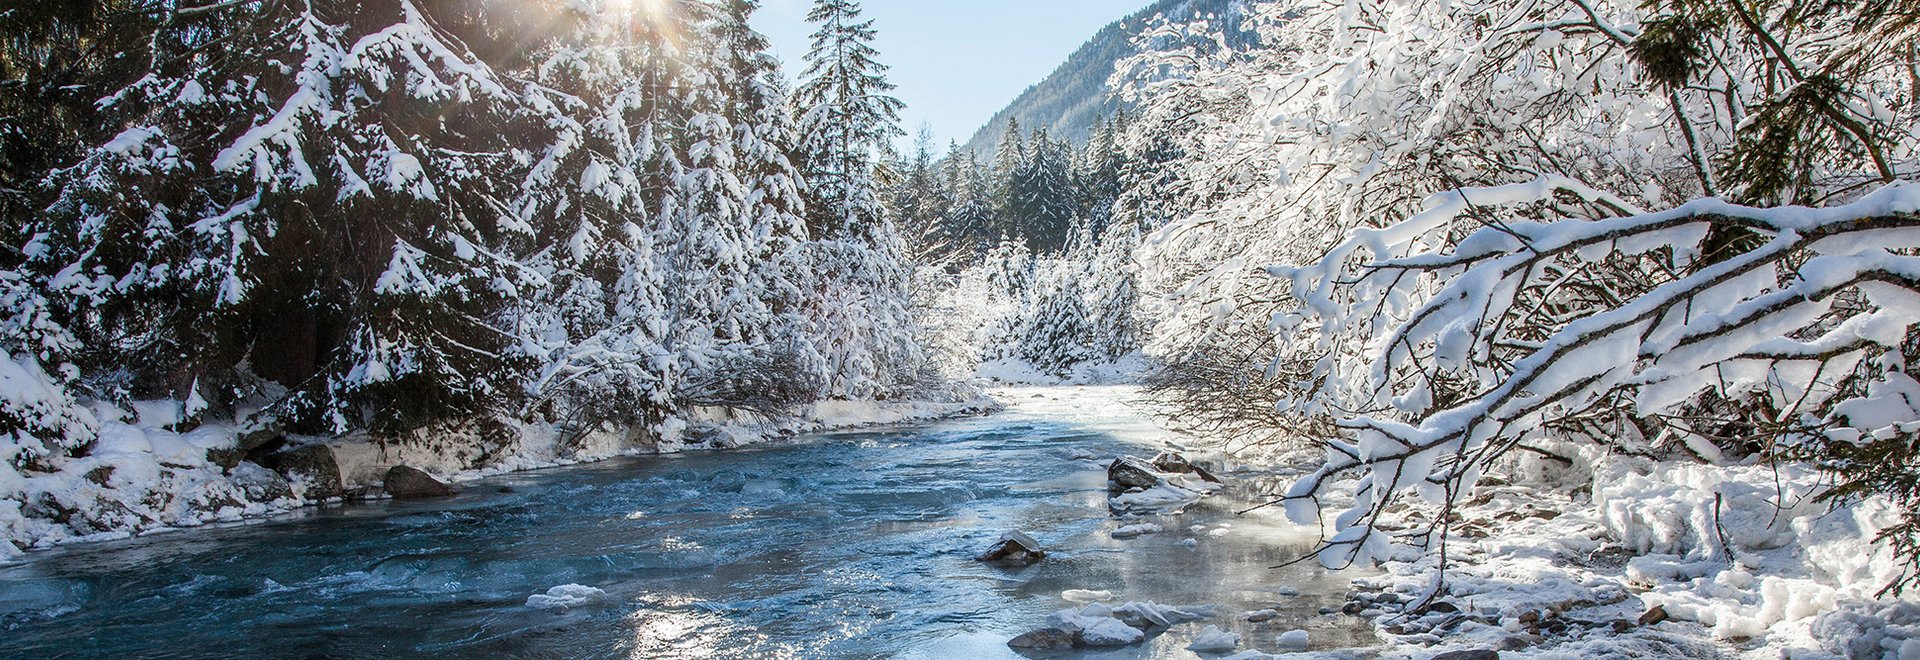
<point x="918" y="203"/>
<point x="970" y="217"/>
<point x="597" y="330"/>
<point x="1042" y="194"/>
<point x="1002" y="177"/>
<point x="862" y="315"/>
<point x="204" y="236"/>
<point x="1057" y="334"/>
<point x="790" y="366"/>
<point x="847" y="119"/>
<point x="1097" y="171"/>
<point x="1112" y="295"/>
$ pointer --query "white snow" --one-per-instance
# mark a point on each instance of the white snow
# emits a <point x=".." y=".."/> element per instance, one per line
<point x="1101" y="625"/>
<point x="1292" y="640"/>
<point x="1212" y="639"/>
<point x="566" y="596"/>
<point x="1086" y="595"/>
<point x="1136" y="529"/>
<point x="1096" y="626"/>
<point x="1162" y="497"/>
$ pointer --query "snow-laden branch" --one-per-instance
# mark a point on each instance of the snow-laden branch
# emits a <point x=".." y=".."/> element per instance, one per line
<point x="1460" y="347"/>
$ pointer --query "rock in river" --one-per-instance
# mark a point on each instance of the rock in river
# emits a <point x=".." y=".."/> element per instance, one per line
<point x="1014" y="549"/>
<point x="1174" y="463"/>
<point x="404" y="483"/>
<point x="1129" y="473"/>
<point x="1044" y="639"/>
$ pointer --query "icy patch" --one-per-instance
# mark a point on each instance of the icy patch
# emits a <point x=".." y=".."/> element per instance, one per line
<point x="1136" y="529"/>
<point x="566" y="596"/>
<point x="1086" y="595"/>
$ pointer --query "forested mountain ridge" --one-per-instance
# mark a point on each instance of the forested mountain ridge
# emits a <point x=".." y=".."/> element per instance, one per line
<point x="1070" y="102"/>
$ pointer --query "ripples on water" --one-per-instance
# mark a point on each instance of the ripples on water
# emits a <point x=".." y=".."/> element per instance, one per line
<point x="840" y="545"/>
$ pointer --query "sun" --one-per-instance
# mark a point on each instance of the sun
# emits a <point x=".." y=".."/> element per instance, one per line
<point x="650" y="7"/>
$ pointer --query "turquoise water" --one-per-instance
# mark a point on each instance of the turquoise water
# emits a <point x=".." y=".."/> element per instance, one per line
<point x="836" y="545"/>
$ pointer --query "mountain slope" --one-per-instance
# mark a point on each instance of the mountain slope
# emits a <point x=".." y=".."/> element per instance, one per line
<point x="1075" y="96"/>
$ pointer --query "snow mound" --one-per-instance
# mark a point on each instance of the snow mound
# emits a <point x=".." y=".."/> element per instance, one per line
<point x="1099" y="625"/>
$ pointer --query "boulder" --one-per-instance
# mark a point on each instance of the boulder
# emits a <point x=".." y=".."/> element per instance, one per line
<point x="312" y="463"/>
<point x="1044" y="639"/>
<point x="1014" y="549"/>
<point x="405" y="483"/>
<point x="1128" y="473"/>
<point x="1176" y="464"/>
<point x="252" y="446"/>
<point x="258" y="483"/>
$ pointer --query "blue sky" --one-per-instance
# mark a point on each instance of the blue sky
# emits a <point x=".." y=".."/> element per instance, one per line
<point x="957" y="61"/>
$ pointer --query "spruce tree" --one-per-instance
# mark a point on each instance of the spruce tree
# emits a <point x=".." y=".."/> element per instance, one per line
<point x="1043" y="194"/>
<point x="1003" y="174"/>
<point x="775" y="210"/>
<point x="847" y="120"/>
<point x="862" y="320"/>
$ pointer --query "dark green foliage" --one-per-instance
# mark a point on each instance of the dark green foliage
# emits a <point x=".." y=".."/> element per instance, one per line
<point x="1670" y="50"/>
<point x="1887" y="467"/>
<point x="1777" y="155"/>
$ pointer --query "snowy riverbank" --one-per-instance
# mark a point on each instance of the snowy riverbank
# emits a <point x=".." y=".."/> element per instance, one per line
<point x="141" y="477"/>
<point x="1607" y="556"/>
<point x="1616" y="556"/>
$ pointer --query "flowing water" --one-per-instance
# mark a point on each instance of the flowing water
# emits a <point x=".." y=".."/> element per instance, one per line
<point x="838" y="545"/>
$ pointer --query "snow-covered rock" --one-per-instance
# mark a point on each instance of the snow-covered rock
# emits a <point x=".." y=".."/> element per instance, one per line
<point x="1014" y="549"/>
<point x="1212" y="639"/>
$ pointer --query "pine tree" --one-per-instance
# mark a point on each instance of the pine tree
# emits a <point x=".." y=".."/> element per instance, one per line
<point x="1096" y="175"/>
<point x="1002" y="180"/>
<point x="862" y="318"/>
<point x="969" y="218"/>
<point x="1043" y="194"/>
<point x="215" y="210"/>
<point x="917" y="200"/>
<point x="847" y="120"/>
<point x="775" y="209"/>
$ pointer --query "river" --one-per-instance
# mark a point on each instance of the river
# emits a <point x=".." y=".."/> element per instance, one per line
<point x="849" y="544"/>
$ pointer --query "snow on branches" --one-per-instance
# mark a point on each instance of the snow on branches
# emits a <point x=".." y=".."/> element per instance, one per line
<point x="1455" y="336"/>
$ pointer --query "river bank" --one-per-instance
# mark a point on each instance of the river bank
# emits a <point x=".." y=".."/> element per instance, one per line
<point x="143" y="477"/>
